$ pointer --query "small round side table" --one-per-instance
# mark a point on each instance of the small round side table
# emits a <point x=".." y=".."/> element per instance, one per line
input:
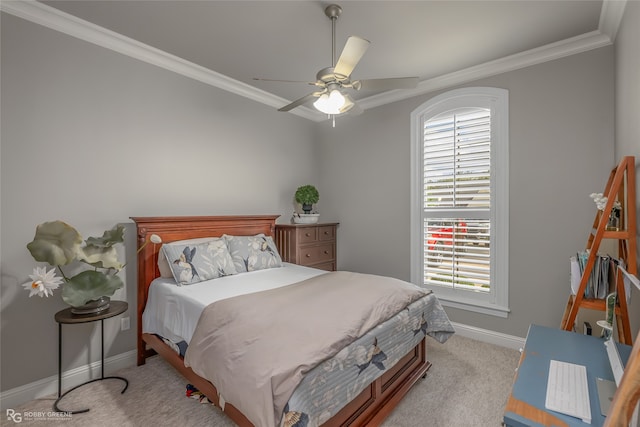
<point x="65" y="316"/>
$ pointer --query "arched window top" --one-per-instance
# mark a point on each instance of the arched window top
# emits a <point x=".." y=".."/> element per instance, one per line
<point x="481" y="97"/>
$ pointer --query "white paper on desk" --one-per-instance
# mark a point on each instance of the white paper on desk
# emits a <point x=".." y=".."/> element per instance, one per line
<point x="576" y="276"/>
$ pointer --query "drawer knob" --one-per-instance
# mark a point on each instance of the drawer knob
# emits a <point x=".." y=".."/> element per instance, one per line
<point x="326" y="232"/>
<point x="326" y="252"/>
<point x="307" y="235"/>
<point x="308" y="255"/>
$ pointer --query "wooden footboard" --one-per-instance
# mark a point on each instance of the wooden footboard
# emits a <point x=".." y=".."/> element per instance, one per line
<point x="378" y="400"/>
<point x="369" y="408"/>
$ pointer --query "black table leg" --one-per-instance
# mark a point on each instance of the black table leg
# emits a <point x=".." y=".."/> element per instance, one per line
<point x="102" y="348"/>
<point x="102" y="377"/>
<point x="59" y="359"/>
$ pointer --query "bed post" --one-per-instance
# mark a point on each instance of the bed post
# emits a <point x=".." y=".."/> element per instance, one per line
<point x="142" y="292"/>
<point x="147" y="270"/>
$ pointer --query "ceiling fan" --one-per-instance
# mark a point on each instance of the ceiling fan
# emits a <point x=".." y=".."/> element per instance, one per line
<point x="332" y="98"/>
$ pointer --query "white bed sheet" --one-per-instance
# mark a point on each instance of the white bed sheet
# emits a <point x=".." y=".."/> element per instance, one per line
<point x="173" y="311"/>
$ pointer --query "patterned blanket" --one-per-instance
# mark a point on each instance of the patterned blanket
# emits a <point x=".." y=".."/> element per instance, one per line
<point x="257" y="348"/>
<point x="332" y="384"/>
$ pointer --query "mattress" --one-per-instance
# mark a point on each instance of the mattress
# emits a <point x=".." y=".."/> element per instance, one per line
<point x="173" y="311"/>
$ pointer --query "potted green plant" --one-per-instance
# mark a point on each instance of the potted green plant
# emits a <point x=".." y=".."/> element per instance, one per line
<point x="59" y="244"/>
<point x="307" y="195"/>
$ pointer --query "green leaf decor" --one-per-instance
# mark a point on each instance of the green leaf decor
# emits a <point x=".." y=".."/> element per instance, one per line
<point x="90" y="285"/>
<point x="55" y="243"/>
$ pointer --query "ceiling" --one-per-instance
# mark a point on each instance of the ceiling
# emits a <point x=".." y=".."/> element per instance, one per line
<point x="291" y="40"/>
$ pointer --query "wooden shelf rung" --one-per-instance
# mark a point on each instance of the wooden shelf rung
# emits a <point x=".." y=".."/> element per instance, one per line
<point x="622" y="234"/>
<point x="594" y="304"/>
<point x="597" y="304"/>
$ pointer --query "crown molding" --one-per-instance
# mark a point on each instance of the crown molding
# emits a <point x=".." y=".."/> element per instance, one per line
<point x="524" y="59"/>
<point x="610" y="17"/>
<point x="57" y="20"/>
<point x="40" y="13"/>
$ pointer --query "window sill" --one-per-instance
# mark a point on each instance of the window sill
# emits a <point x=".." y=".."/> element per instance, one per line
<point x="475" y="306"/>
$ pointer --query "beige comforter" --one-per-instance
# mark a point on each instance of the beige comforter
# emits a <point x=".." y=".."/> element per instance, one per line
<point x="256" y="348"/>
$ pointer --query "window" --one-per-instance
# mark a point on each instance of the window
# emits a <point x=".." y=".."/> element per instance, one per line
<point x="459" y="203"/>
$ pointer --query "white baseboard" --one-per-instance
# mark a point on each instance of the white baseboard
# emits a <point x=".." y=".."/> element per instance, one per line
<point x="49" y="386"/>
<point x="491" y="337"/>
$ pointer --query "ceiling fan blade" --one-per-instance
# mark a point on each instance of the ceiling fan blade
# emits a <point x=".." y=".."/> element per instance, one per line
<point x="305" y="99"/>
<point x="387" y="84"/>
<point x="283" y="81"/>
<point x="351" y="55"/>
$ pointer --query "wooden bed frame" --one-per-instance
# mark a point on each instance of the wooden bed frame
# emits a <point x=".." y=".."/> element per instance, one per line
<point x="369" y="408"/>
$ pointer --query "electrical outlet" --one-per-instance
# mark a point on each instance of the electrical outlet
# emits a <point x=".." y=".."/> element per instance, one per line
<point x="125" y="324"/>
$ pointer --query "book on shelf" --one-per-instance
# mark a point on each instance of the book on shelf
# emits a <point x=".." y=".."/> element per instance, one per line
<point x="602" y="278"/>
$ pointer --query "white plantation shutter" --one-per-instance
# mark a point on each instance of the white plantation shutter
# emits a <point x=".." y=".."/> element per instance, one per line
<point x="457" y="199"/>
<point x="460" y="198"/>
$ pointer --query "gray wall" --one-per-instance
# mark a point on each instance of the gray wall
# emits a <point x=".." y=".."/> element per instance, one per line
<point x="561" y="150"/>
<point x="92" y="137"/>
<point x="627" y="109"/>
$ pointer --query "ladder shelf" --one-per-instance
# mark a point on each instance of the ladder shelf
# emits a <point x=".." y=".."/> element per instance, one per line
<point x="620" y="187"/>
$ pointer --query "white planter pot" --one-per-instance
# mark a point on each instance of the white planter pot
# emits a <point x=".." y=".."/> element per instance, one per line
<point x="306" y="218"/>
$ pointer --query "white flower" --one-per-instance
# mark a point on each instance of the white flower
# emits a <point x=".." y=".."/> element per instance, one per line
<point x="601" y="201"/>
<point x="43" y="282"/>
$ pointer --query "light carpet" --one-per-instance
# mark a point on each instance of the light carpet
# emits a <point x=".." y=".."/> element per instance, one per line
<point x="467" y="386"/>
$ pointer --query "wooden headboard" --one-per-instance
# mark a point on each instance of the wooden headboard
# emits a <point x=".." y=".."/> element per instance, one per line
<point x="172" y="228"/>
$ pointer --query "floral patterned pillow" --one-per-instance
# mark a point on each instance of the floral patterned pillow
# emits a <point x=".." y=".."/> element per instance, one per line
<point x="163" y="264"/>
<point x="193" y="263"/>
<point x="251" y="253"/>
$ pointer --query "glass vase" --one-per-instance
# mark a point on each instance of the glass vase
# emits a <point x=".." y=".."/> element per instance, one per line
<point x="613" y="222"/>
<point x="92" y="307"/>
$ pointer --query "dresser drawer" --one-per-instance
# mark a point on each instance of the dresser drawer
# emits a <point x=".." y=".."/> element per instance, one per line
<point x="307" y="235"/>
<point x="317" y="254"/>
<point x="326" y="233"/>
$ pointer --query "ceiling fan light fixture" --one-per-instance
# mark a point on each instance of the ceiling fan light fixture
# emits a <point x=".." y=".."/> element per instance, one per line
<point x="330" y="104"/>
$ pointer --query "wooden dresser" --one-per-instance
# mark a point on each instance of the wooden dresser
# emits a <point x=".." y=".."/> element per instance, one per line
<point x="312" y="245"/>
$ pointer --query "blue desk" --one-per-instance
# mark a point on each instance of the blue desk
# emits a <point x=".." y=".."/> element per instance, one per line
<point x="525" y="406"/>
